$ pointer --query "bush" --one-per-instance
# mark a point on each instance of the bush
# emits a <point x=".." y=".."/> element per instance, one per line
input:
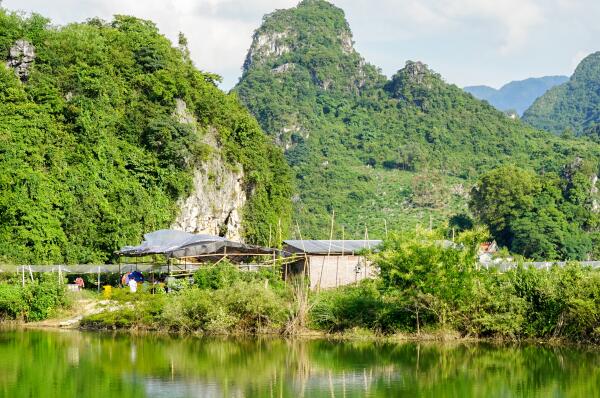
<point x="12" y="305"/>
<point x="35" y="301"/>
<point x="239" y="307"/>
<point x="226" y="275"/>
<point x="348" y="307"/>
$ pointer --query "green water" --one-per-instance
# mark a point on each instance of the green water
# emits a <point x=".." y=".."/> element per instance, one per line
<point x="74" y="364"/>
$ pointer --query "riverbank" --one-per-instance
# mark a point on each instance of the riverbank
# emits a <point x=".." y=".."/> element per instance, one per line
<point x="423" y="289"/>
<point x="90" y="310"/>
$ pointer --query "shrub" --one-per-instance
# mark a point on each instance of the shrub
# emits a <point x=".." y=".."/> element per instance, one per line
<point x="348" y="307"/>
<point x="33" y="302"/>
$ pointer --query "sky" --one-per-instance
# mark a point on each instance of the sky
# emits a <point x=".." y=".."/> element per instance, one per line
<point x="469" y="42"/>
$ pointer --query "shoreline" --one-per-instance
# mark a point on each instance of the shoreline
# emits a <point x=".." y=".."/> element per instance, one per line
<point x="360" y="336"/>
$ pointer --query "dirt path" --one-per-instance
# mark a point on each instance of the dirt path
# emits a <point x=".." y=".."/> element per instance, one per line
<point x="81" y="308"/>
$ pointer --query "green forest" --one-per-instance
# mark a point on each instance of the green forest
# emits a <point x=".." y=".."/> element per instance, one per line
<point x="573" y="108"/>
<point x="379" y="152"/>
<point x="91" y="153"/>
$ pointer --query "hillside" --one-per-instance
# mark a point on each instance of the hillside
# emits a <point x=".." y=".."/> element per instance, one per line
<point x="372" y="149"/>
<point x="574" y="105"/>
<point x="108" y="132"/>
<point x="517" y="95"/>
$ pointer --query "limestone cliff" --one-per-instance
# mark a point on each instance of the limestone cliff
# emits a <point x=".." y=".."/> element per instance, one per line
<point x="218" y="196"/>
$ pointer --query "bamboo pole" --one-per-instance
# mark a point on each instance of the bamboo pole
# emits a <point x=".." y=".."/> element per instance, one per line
<point x="337" y="263"/>
<point x="280" y="233"/>
<point x="369" y="247"/>
<point x="328" y="250"/>
<point x="269" y="235"/>
<point x="303" y="249"/>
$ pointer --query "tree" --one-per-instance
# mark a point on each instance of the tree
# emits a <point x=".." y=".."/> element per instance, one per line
<point x="502" y="196"/>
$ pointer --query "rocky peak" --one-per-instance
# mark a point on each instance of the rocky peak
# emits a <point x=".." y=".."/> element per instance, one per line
<point x="312" y="24"/>
<point x="416" y="84"/>
<point x="266" y="45"/>
<point x="311" y="40"/>
<point x="20" y="58"/>
<point x="416" y="72"/>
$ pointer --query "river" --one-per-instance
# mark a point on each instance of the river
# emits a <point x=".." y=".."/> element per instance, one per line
<point x="40" y="363"/>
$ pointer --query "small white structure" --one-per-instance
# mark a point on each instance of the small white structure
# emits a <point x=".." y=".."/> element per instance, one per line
<point x="332" y="263"/>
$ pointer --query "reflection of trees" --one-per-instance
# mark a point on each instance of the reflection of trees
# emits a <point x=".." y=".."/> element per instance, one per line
<point x="51" y="364"/>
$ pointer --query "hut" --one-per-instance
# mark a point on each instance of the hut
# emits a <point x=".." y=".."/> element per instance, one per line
<point x="331" y="263"/>
<point x="183" y="251"/>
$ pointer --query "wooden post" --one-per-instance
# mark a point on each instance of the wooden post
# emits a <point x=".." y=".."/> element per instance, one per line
<point x="369" y="247"/>
<point x="23" y="275"/>
<point x="30" y="273"/>
<point x="270" y="235"/>
<point x="59" y="276"/>
<point x="385" y="226"/>
<point x="280" y="233"/>
<point x="305" y="270"/>
<point x="98" y="279"/>
<point x="328" y="250"/>
<point x="337" y="263"/>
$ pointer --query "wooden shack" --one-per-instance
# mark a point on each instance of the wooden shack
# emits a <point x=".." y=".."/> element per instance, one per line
<point x="331" y="263"/>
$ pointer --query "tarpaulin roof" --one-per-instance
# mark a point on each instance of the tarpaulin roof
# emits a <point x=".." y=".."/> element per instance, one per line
<point x="180" y="244"/>
<point x="331" y="246"/>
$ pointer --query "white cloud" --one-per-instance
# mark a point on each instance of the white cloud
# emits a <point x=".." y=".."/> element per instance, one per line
<point x="509" y="21"/>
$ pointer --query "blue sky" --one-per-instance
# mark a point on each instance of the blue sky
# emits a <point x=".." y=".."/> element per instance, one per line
<point x="468" y="41"/>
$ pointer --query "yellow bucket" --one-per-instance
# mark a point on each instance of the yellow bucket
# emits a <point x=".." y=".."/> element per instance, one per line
<point x="107" y="292"/>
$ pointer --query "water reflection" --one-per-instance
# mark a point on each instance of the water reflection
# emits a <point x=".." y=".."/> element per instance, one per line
<point x="73" y="364"/>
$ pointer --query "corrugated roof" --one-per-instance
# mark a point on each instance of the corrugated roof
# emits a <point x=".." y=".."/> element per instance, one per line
<point x="332" y="246"/>
<point x="182" y="244"/>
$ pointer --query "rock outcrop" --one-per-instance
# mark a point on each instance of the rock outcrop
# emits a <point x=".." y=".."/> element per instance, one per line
<point x="265" y="45"/>
<point x="20" y="58"/>
<point x="216" y="203"/>
<point x="218" y="196"/>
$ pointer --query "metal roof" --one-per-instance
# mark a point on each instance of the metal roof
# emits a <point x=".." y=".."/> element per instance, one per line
<point x="331" y="246"/>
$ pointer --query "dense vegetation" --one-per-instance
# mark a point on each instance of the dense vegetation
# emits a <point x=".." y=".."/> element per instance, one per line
<point x="573" y="107"/>
<point x="553" y="216"/>
<point x="92" y="154"/>
<point x="516" y="96"/>
<point x="372" y="148"/>
<point x="33" y="300"/>
<point x="427" y="285"/>
<point x="424" y="286"/>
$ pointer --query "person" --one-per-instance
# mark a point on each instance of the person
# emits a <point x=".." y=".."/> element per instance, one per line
<point x="132" y="285"/>
<point x="80" y="283"/>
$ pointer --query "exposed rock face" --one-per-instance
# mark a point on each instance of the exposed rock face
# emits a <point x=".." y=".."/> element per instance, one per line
<point x="265" y="45"/>
<point x="20" y="58"/>
<point x="347" y="44"/>
<point x="216" y="203"/>
<point x="416" y="71"/>
<point x="283" y="68"/>
<point x="218" y="197"/>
